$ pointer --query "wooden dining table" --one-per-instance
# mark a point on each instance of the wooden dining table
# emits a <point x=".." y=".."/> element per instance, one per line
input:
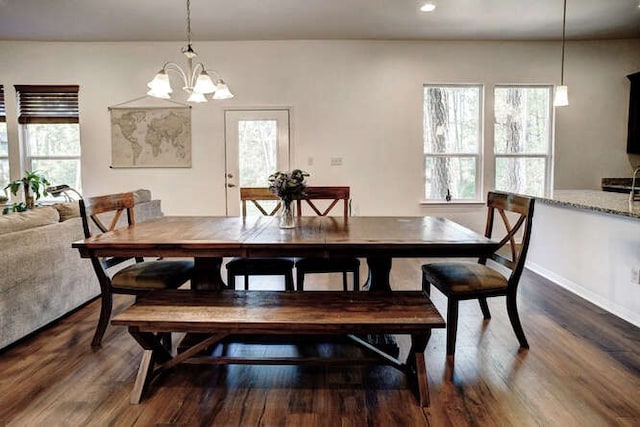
<point x="209" y="239"/>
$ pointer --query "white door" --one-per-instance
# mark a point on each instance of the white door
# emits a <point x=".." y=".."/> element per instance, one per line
<point x="257" y="145"/>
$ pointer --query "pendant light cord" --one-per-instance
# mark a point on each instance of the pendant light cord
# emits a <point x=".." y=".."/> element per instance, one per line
<point x="564" y="28"/>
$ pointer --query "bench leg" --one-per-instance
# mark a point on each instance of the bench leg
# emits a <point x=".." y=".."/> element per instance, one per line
<point x="153" y="352"/>
<point x="145" y="372"/>
<point x="416" y="363"/>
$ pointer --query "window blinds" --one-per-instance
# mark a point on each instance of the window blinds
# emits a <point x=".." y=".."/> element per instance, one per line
<point x="3" y="114"/>
<point x="47" y="104"/>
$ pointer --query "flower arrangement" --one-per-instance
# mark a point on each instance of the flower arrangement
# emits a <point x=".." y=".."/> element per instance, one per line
<point x="288" y="186"/>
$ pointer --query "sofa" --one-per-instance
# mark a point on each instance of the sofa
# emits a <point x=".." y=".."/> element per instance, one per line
<point x="42" y="277"/>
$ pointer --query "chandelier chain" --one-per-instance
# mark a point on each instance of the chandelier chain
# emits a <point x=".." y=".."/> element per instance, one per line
<point x="189" y="22"/>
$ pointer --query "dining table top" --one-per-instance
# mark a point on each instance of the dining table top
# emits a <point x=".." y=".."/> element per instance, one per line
<point x="260" y="236"/>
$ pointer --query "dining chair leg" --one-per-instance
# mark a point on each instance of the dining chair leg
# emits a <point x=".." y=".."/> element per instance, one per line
<point x="231" y="280"/>
<point x="484" y="307"/>
<point x="299" y="280"/>
<point x="246" y="282"/>
<point x="512" y="310"/>
<point x="452" y="325"/>
<point x="356" y="279"/>
<point x="345" y="284"/>
<point x="288" y="281"/>
<point x="426" y="286"/>
<point x="106" y="302"/>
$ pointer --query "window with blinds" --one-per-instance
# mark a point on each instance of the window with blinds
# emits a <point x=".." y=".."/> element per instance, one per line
<point x="50" y="131"/>
<point x="47" y="104"/>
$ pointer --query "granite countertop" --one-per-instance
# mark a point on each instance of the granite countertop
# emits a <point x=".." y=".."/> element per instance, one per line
<point x="594" y="200"/>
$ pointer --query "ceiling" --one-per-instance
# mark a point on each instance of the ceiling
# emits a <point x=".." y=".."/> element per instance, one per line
<point x="165" y="20"/>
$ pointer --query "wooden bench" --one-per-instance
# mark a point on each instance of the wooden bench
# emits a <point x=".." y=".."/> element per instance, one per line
<point x="214" y="315"/>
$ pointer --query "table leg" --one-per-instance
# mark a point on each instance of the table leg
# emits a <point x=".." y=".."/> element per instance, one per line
<point x="206" y="274"/>
<point x="379" y="272"/>
<point x="416" y="362"/>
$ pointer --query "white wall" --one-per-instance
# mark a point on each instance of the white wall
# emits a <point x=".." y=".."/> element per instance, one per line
<point x="592" y="254"/>
<point x="360" y="100"/>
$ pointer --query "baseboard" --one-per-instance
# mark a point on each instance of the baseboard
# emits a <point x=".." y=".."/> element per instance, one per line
<point x="613" y="308"/>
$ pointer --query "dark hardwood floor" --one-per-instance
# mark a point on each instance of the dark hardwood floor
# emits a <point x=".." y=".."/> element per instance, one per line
<point x="583" y="369"/>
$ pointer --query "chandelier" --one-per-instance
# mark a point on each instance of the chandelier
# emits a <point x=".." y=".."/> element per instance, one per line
<point x="196" y="80"/>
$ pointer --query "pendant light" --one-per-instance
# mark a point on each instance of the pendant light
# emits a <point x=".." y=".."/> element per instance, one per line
<point x="561" y="98"/>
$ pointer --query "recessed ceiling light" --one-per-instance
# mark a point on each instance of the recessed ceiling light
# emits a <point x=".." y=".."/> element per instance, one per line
<point x="428" y="7"/>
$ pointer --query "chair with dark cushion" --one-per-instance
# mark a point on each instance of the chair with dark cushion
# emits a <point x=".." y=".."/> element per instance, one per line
<point x="468" y="280"/>
<point x="102" y="214"/>
<point x="256" y="198"/>
<point x="334" y="197"/>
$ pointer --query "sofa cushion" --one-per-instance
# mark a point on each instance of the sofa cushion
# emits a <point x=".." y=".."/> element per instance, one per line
<point x="67" y="210"/>
<point x="141" y="196"/>
<point x="32" y="218"/>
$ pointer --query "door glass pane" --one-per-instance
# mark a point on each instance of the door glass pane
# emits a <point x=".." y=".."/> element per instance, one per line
<point x="258" y="144"/>
<point x="521" y="175"/>
<point x="455" y="174"/>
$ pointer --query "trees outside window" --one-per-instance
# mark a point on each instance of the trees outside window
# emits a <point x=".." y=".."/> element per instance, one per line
<point x="522" y="139"/>
<point x="452" y="142"/>
<point x="454" y="164"/>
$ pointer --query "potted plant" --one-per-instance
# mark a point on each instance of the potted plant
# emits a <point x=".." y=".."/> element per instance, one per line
<point x="34" y="184"/>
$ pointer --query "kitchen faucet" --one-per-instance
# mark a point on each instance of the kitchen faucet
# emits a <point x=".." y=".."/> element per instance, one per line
<point x="632" y="195"/>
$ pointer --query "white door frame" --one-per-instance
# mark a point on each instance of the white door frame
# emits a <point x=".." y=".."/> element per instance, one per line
<point x="231" y="116"/>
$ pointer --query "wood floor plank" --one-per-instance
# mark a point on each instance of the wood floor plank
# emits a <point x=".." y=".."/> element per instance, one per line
<point x="583" y="368"/>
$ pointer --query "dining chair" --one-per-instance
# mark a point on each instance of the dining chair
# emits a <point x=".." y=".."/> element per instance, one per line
<point x="467" y="280"/>
<point x="334" y="198"/>
<point x="102" y="214"/>
<point x="259" y="198"/>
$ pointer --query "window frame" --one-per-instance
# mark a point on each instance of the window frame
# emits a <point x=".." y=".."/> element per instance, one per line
<point x="548" y="157"/>
<point x="479" y="156"/>
<point x="3" y="123"/>
<point x="48" y="105"/>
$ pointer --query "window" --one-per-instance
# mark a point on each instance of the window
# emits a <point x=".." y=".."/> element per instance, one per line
<point x="4" y="142"/>
<point x="522" y="139"/>
<point x="48" y="117"/>
<point x="452" y="142"/>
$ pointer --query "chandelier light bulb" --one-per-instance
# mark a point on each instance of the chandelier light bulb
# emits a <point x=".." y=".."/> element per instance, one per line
<point x="204" y="84"/>
<point x="222" y="91"/>
<point x="160" y="83"/>
<point x="197" y="98"/>
<point x="428" y="7"/>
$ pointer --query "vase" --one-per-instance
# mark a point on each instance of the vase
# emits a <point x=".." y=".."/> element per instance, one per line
<point x="286" y="215"/>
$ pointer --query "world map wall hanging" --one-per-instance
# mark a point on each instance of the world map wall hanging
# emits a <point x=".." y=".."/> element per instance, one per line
<point x="150" y="137"/>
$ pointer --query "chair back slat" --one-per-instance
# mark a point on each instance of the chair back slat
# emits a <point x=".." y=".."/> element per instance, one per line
<point x="513" y="247"/>
<point x="257" y="196"/>
<point x="334" y="194"/>
<point x="109" y="209"/>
